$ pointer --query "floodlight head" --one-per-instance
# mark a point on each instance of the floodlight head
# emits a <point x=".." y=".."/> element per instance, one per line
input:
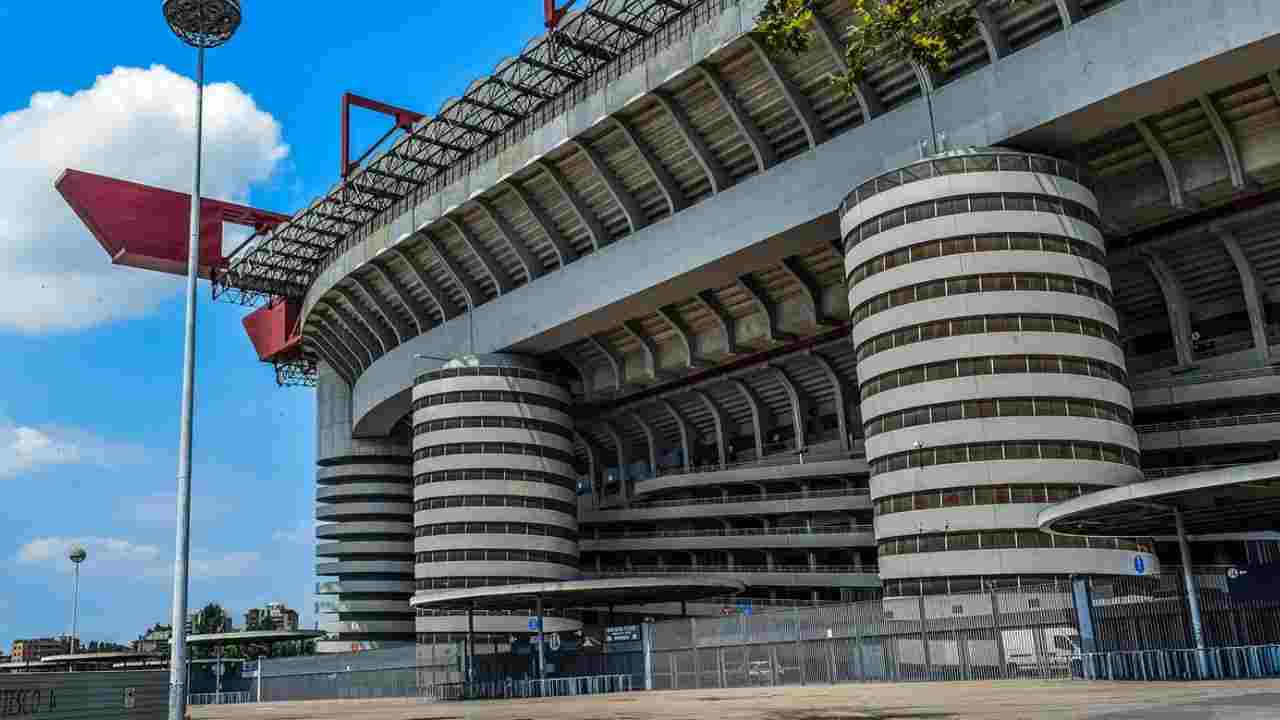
<point x="77" y="554"/>
<point x="203" y="23"/>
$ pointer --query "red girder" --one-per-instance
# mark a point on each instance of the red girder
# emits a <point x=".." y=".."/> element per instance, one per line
<point x="404" y="120"/>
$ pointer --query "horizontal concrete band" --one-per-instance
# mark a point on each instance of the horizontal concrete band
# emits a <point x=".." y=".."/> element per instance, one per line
<point x="738" y="507"/>
<point x="1009" y="472"/>
<point x="1021" y="92"/>
<point x="365" y="528"/>
<point x="754" y="474"/>
<point x="861" y="538"/>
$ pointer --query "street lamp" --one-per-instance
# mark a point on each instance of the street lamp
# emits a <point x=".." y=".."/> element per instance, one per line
<point x="201" y="24"/>
<point x="77" y="556"/>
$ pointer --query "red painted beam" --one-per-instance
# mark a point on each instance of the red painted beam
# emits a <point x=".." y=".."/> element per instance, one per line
<point x="555" y="14"/>
<point x="148" y="227"/>
<point x="272" y="329"/>
<point x="404" y="120"/>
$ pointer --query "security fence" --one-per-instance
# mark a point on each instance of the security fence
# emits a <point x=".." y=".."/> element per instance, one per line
<point x="1094" y="628"/>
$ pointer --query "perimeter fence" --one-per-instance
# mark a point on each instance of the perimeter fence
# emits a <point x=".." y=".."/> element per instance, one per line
<point x="1114" y="628"/>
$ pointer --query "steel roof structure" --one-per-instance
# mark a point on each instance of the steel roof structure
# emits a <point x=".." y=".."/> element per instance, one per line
<point x="495" y="110"/>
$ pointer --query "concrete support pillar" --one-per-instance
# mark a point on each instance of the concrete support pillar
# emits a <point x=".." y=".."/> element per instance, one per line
<point x="813" y="561"/>
<point x="1176" y="301"/>
<point x="768" y="563"/>
<point x="1253" y="293"/>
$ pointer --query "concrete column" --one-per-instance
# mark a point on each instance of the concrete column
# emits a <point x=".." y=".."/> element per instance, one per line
<point x="1253" y="293"/>
<point x="768" y="562"/>
<point x="1176" y="302"/>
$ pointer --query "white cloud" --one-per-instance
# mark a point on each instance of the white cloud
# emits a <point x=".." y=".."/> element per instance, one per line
<point x="24" y="449"/>
<point x="121" y="558"/>
<point x="133" y="123"/>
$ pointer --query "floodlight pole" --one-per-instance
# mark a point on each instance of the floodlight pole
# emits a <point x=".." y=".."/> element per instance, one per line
<point x="182" y="546"/>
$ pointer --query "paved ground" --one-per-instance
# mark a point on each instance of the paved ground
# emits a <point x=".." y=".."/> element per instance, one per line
<point x="1004" y="700"/>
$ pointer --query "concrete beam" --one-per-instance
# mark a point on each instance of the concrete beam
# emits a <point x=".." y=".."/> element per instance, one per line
<point x="383" y="338"/>
<point x="582" y="211"/>
<point x="593" y="463"/>
<point x="766" y="156"/>
<point x="460" y="277"/>
<point x="1175" y="300"/>
<point x="356" y="332"/>
<point x="576" y="362"/>
<point x="992" y="35"/>
<point x="684" y="334"/>
<point x="761" y="418"/>
<point x="676" y="200"/>
<point x="728" y="324"/>
<point x="812" y="290"/>
<point x="1070" y="12"/>
<point x="636" y="217"/>
<point x="814" y="129"/>
<point x="799" y="404"/>
<point x="1167" y="167"/>
<point x="501" y="280"/>
<point x="841" y="394"/>
<point x="420" y="316"/>
<point x="402" y="330"/>
<point x="448" y="308"/>
<point x="647" y="348"/>
<point x="650" y="437"/>
<point x="564" y="251"/>
<point x="1254" y="300"/>
<point x="623" y="454"/>
<point x="711" y="165"/>
<point x="615" y="361"/>
<point x="866" y="95"/>
<point x="330" y="356"/>
<point x="682" y="425"/>
<point x="718" y="421"/>
<point x="533" y="268"/>
<point x="352" y="353"/>
<point x="765" y="306"/>
<point x="1226" y="141"/>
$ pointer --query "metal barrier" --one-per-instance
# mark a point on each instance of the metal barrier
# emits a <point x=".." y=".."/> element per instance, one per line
<point x="514" y="689"/>
<point x="1221" y="663"/>
<point x="224" y="698"/>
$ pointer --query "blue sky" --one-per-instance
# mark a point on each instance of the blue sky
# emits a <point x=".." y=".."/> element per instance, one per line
<point x="91" y="353"/>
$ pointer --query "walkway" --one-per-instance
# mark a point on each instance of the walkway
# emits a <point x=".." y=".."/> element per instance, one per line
<point x="1008" y="700"/>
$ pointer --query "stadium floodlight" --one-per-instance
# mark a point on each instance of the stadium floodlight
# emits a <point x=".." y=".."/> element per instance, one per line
<point x="201" y="24"/>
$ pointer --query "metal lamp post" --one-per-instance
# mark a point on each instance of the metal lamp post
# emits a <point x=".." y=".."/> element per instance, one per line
<point x="76" y="556"/>
<point x="201" y="24"/>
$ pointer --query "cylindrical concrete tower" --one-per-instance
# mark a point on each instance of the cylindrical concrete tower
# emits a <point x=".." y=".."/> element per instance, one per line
<point x="495" y="491"/>
<point x="364" y="502"/>
<point x="992" y="382"/>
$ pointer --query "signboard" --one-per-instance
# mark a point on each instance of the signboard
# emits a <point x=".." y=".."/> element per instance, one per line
<point x="130" y="698"/>
<point x="1139" y="565"/>
<point x="533" y="624"/>
<point x="622" y="638"/>
<point x="1254" y="582"/>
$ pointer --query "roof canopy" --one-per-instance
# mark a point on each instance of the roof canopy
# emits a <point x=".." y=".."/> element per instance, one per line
<point x="1245" y="498"/>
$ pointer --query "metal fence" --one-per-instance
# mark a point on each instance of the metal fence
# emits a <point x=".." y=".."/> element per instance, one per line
<point x="1139" y="629"/>
<point x="220" y="698"/>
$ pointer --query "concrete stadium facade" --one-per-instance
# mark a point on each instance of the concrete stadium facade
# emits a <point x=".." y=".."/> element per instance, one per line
<point x="675" y="246"/>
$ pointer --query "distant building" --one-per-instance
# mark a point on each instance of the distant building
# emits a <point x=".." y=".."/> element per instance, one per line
<point x="32" y="649"/>
<point x="154" y="640"/>
<point x="197" y="619"/>
<point x="275" y="616"/>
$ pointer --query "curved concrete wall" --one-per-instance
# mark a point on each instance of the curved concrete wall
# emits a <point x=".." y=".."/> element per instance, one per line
<point x="364" y="495"/>
<point x="495" y="496"/>
<point x="1048" y="382"/>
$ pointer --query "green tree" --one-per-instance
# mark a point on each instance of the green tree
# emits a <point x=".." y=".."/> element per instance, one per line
<point x="926" y="34"/>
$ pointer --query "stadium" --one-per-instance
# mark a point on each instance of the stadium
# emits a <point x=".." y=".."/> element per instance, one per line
<point x="652" y="301"/>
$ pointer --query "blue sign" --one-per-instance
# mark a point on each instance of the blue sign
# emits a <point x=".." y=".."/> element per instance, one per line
<point x="1139" y="565"/>
<point x="744" y="608"/>
<point x="533" y="624"/>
